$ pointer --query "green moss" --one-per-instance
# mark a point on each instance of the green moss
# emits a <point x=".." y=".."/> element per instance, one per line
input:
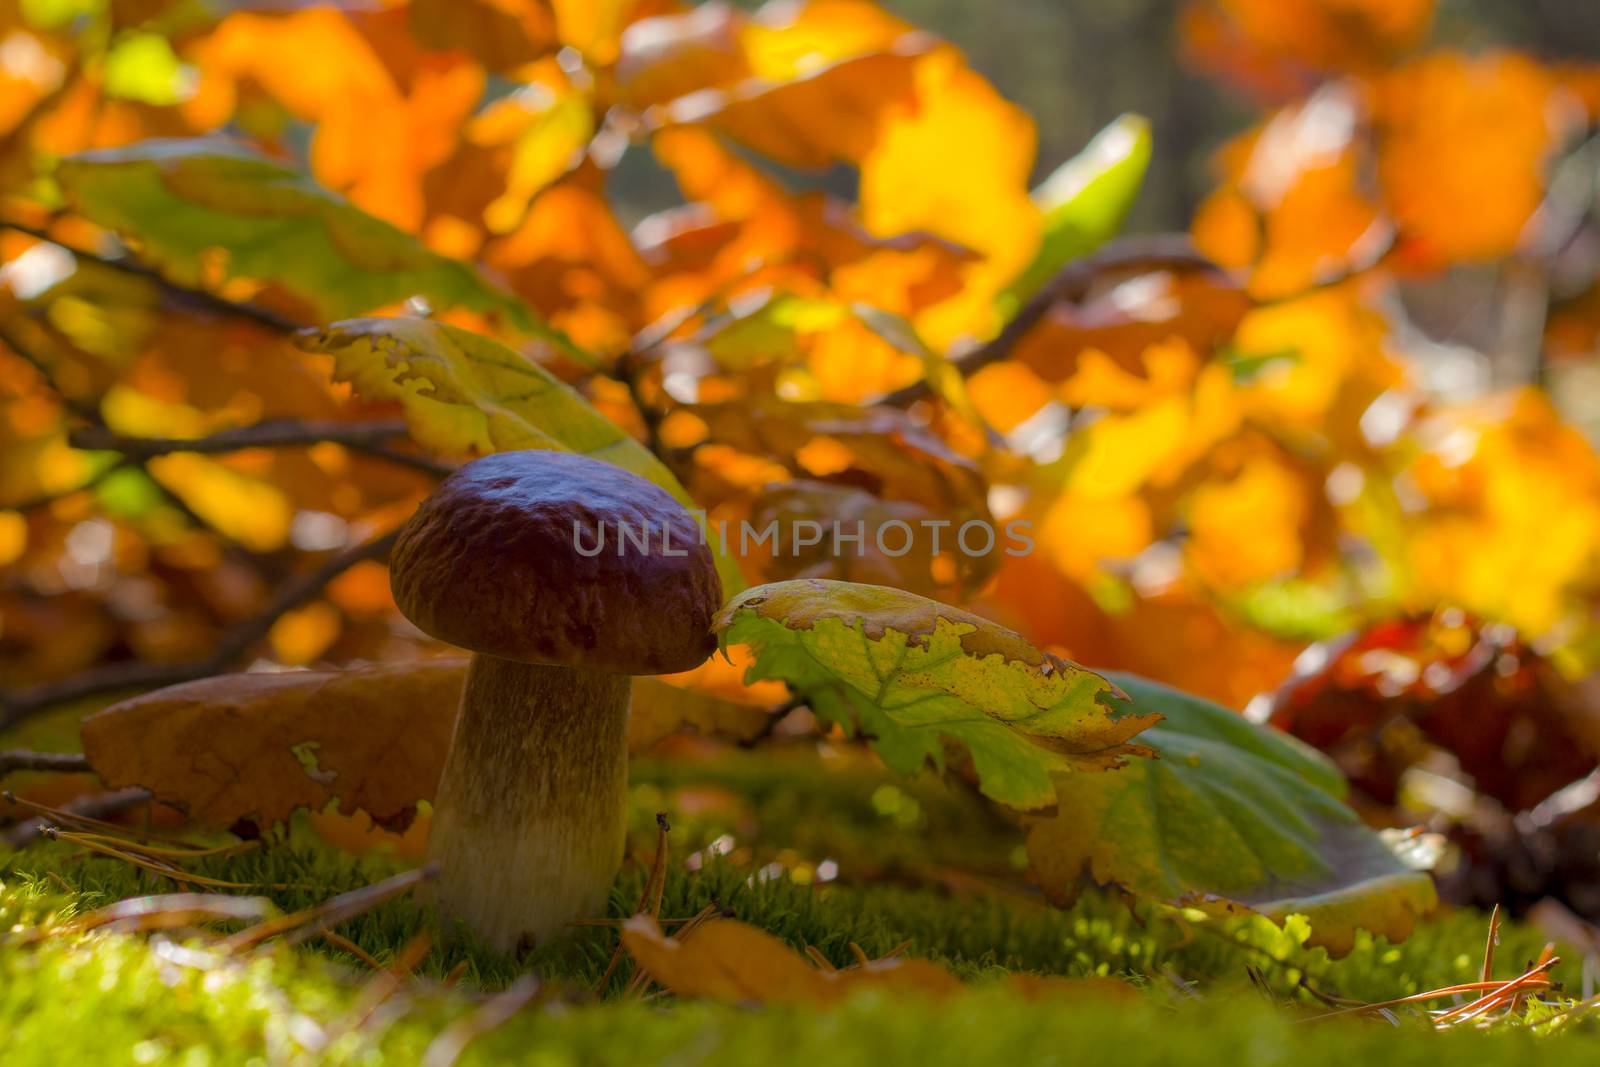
<point x="778" y="817"/>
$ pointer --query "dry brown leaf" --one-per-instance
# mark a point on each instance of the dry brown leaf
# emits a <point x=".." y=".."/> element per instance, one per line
<point x="257" y="746"/>
<point x="728" y="960"/>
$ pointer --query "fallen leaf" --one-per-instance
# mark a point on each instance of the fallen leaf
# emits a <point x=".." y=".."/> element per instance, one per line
<point x="727" y="960"/>
<point x="257" y="747"/>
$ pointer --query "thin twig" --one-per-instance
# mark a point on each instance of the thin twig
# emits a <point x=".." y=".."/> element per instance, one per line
<point x="367" y="437"/>
<point x="21" y="759"/>
<point x="774" y="719"/>
<point x="201" y="298"/>
<point x="1072" y="282"/>
<point x="1495" y="989"/>
<point x="90" y="414"/>
<point x="89" y="808"/>
<point x="1493" y="940"/>
<point x="649" y="899"/>
<point x="344" y="944"/>
<point x="18" y="705"/>
<point x="311" y="922"/>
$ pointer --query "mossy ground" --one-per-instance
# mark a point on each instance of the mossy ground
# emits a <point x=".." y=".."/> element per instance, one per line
<point x="780" y="818"/>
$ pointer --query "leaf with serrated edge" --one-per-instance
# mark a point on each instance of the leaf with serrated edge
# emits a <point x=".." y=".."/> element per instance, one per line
<point x="1230" y="818"/>
<point x="463" y="394"/>
<point x="912" y="674"/>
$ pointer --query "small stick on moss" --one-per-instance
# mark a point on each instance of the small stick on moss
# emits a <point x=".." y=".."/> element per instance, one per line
<point x="344" y="944"/>
<point x="458" y="972"/>
<point x="169" y="910"/>
<point x="820" y="961"/>
<point x="185" y="849"/>
<point x="658" y="868"/>
<point x="56" y="833"/>
<point x="1548" y="951"/>
<point x="1508" y="993"/>
<point x="649" y="899"/>
<point x="1530" y="979"/>
<point x="445" y="1049"/>
<point x="80" y="812"/>
<point x="1494" y="939"/>
<point x="310" y="922"/>
<point x="139" y="859"/>
<point x="22" y="759"/>
<point x="387" y="982"/>
<point x="145" y="914"/>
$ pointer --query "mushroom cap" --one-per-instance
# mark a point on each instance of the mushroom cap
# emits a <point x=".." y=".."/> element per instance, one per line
<point x="491" y="562"/>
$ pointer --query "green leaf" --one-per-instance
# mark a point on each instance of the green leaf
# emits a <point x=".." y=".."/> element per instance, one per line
<point x="464" y="394"/>
<point x="912" y="674"/>
<point x="1085" y="200"/>
<point x="181" y="199"/>
<point x="143" y="67"/>
<point x="1231" y="818"/>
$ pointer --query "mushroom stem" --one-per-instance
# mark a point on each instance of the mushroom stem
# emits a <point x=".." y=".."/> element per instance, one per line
<point x="530" y="817"/>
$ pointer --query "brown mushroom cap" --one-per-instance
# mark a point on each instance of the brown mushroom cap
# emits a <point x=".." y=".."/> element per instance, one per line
<point x="491" y="562"/>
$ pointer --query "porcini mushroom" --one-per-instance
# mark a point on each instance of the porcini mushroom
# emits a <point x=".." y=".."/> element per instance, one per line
<point x="563" y="576"/>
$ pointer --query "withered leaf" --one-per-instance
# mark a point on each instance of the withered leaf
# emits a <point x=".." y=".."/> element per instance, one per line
<point x="258" y="746"/>
<point x="732" y="961"/>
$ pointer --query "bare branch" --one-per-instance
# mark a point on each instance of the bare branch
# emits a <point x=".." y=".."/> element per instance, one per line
<point x="1072" y="282"/>
<point x="21" y="759"/>
<point x="18" y="705"/>
<point x="366" y="437"/>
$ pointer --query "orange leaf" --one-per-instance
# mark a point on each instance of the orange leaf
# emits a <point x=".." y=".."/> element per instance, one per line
<point x="728" y="960"/>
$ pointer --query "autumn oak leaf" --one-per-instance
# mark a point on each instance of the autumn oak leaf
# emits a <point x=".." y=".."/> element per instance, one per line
<point x="912" y="674"/>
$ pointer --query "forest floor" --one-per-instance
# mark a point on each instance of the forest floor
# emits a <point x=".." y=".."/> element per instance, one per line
<point x="823" y="853"/>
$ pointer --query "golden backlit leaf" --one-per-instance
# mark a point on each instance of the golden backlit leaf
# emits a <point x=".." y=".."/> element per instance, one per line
<point x="914" y="675"/>
<point x="376" y="133"/>
<point x="1276" y="48"/>
<point x="959" y="127"/>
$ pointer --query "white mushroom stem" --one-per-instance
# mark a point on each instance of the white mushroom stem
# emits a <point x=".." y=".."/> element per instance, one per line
<point x="530" y="817"/>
